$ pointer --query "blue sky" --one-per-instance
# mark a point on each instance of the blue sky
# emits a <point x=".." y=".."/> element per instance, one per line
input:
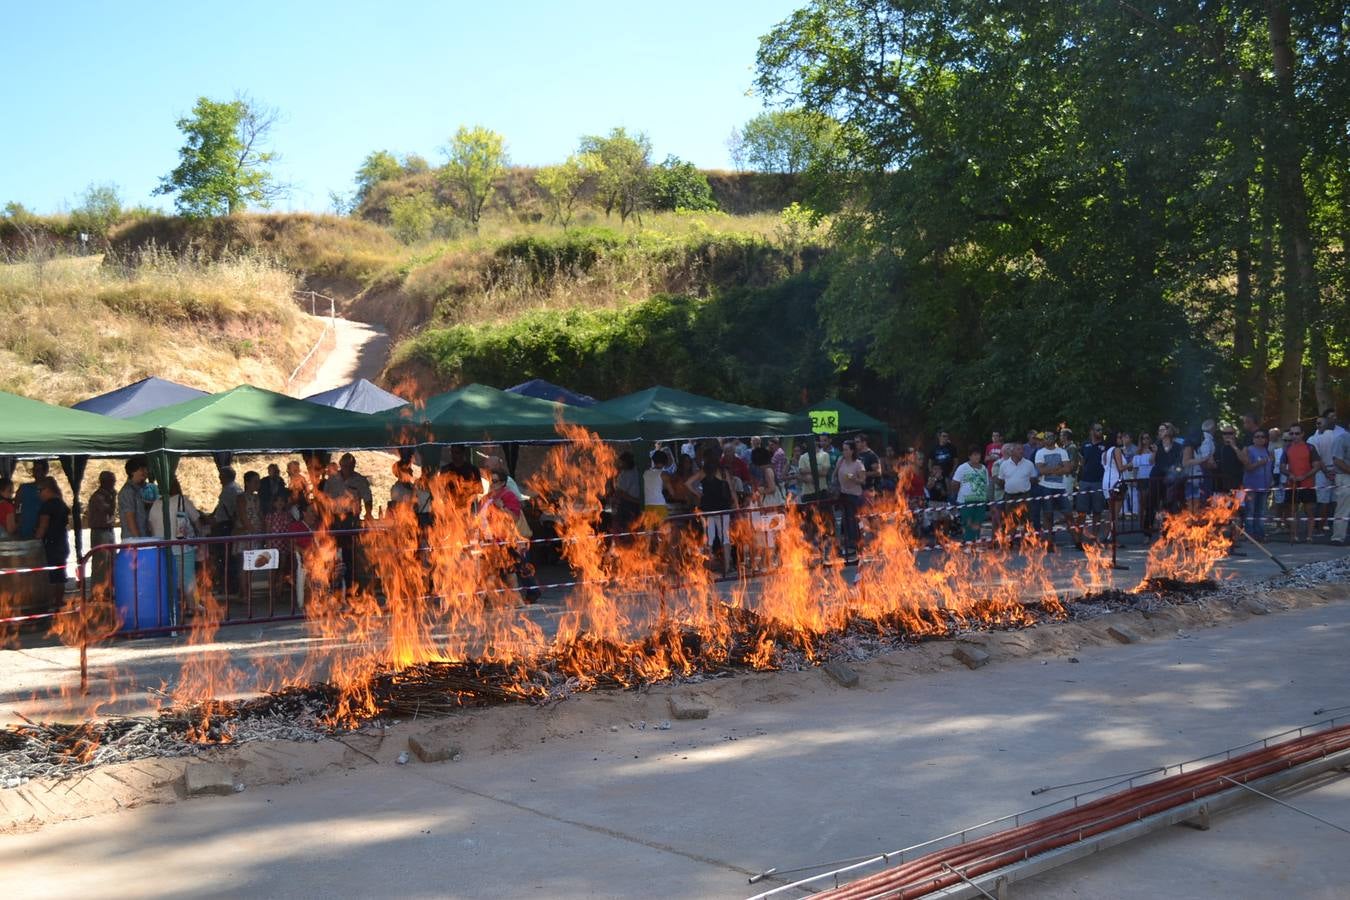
<point x="93" y="90"/>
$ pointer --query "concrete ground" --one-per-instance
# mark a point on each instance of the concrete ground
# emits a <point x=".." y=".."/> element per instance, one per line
<point x="807" y="773"/>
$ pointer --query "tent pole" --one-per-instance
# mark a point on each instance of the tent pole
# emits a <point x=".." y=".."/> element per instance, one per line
<point x="74" y="467"/>
<point x="164" y="464"/>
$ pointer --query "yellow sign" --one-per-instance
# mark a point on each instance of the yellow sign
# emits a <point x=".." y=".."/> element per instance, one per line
<point x="824" y="421"/>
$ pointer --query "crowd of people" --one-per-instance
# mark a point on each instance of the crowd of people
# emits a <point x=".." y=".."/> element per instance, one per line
<point x="1050" y="482"/>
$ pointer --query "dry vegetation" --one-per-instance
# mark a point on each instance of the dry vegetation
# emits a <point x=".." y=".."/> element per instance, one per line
<point x="76" y="327"/>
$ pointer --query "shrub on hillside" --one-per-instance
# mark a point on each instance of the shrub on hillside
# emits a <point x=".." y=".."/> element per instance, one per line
<point x="759" y="346"/>
<point x="676" y="184"/>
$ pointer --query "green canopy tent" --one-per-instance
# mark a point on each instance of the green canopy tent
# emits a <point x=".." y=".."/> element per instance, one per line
<point x="664" y="414"/>
<point x="851" y="419"/>
<point x="251" y="420"/>
<point x="478" y="414"/>
<point x="40" y="430"/>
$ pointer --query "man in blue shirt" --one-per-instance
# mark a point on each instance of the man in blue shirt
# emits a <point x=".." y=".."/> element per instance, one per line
<point x="29" y="497"/>
<point x="1090" y="501"/>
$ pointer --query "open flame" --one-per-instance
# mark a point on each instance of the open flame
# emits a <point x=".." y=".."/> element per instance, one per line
<point x="642" y="607"/>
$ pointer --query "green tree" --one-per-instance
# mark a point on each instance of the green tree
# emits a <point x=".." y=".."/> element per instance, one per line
<point x="1127" y="193"/>
<point x="415" y="164"/>
<point x="625" y="168"/>
<point x="224" y="166"/>
<point x="677" y="184"/>
<point x="378" y="166"/>
<point x="474" y="158"/>
<point x="786" y="141"/>
<point x="412" y="217"/>
<point x="564" y="184"/>
<point x="99" y="209"/>
<point x="17" y="212"/>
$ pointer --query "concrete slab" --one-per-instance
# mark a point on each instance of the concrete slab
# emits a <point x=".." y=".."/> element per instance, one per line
<point x="432" y="747"/>
<point x="687" y="708"/>
<point x="971" y="657"/>
<point x="1122" y="634"/>
<point x="200" y="779"/>
<point x="841" y="673"/>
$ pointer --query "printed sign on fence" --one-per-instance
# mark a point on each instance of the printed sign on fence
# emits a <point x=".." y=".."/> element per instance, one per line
<point x="261" y="560"/>
<point x="824" y="421"/>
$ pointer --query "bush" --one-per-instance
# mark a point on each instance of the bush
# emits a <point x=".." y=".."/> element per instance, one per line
<point x="676" y="184"/>
<point x="757" y="346"/>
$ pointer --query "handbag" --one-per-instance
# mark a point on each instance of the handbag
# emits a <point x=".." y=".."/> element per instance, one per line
<point x="523" y="527"/>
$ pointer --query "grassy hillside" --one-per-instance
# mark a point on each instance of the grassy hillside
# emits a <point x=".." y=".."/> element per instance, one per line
<point x="516" y="197"/>
<point x="758" y="345"/>
<point x="336" y="251"/>
<point x="76" y="326"/>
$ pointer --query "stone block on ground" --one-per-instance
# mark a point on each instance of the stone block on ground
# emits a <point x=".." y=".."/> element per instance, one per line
<point x="204" y="778"/>
<point x="841" y="673"/>
<point x="1123" y="634"/>
<point x="685" y="708"/>
<point x="972" y="657"/>
<point x="1255" y="607"/>
<point x="431" y="748"/>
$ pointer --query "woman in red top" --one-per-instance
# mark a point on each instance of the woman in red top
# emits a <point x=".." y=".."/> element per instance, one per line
<point x="499" y="513"/>
<point x="912" y="484"/>
<point x="8" y="525"/>
<point x="1300" y="465"/>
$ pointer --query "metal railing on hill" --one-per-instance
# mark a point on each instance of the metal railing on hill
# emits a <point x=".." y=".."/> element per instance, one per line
<point x="326" y="342"/>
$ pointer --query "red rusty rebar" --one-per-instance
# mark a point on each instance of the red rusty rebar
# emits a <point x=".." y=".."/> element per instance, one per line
<point x="927" y="873"/>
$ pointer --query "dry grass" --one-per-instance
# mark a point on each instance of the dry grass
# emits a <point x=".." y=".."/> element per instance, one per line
<point x="75" y="328"/>
<point x="465" y="281"/>
<point x="329" y="248"/>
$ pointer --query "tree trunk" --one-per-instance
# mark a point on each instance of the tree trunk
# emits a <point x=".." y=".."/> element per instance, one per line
<point x="1291" y="206"/>
<point x="1259" y="373"/>
<point x="1242" y="302"/>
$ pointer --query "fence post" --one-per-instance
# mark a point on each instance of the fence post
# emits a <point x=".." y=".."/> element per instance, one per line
<point x="1115" y="527"/>
<point x="84" y="631"/>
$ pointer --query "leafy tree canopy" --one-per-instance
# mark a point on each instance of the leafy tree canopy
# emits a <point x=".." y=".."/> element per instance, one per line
<point x="474" y="158"/>
<point x="223" y="165"/>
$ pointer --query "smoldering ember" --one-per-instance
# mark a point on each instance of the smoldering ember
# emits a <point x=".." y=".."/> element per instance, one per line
<point x="785" y="448"/>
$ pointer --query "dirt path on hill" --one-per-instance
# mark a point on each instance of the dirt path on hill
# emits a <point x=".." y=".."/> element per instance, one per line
<point x="361" y="351"/>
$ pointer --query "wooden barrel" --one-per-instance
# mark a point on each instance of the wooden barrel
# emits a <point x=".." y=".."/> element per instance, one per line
<point x="25" y="594"/>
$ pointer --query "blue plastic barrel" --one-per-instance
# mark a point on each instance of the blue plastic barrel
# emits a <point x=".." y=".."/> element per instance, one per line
<point x="144" y="587"/>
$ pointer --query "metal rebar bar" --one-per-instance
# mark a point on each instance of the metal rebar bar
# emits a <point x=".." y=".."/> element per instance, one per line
<point x="1248" y="787"/>
<point x="1122" y="776"/>
<point x="963" y="877"/>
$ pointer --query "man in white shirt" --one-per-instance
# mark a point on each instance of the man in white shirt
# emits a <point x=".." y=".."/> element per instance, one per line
<point x="1324" y="442"/>
<point x="1016" y="474"/>
<point x="1339" y="466"/>
<point x="1052" y="462"/>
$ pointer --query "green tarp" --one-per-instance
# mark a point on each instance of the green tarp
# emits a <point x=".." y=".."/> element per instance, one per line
<point x="33" y="428"/>
<point x="477" y="414"/>
<point x="252" y="420"/>
<point x="851" y="419"/>
<point x="664" y="414"/>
